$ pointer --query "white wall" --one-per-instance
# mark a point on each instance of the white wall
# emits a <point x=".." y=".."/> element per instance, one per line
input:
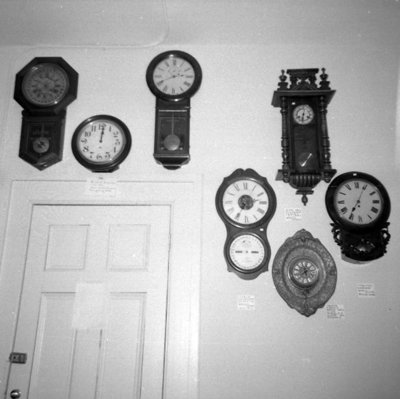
<point x="271" y="351"/>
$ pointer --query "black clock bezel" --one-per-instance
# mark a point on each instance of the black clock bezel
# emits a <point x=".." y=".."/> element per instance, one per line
<point x="379" y="223"/>
<point x="261" y="266"/>
<point x="251" y="175"/>
<point x="112" y="165"/>
<point x="165" y="55"/>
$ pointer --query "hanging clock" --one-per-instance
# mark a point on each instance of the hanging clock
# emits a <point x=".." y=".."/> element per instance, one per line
<point x="359" y="207"/>
<point x="100" y="143"/>
<point x="173" y="77"/>
<point x="246" y="203"/>
<point x="305" y="141"/>
<point x="44" y="88"/>
<point x="304" y="273"/>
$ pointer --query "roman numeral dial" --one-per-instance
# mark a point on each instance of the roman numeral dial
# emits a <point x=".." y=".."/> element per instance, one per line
<point x="245" y="202"/>
<point x="358" y="202"/>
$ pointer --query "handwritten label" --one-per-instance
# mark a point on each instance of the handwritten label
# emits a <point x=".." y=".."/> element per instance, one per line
<point x="366" y="290"/>
<point x="293" y="214"/>
<point x="101" y="187"/>
<point x="335" y="312"/>
<point x="246" y="302"/>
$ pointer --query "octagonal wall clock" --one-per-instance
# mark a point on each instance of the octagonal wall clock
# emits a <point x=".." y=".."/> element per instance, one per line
<point x="246" y="203"/>
<point x="44" y="88"/>
<point x="359" y="207"/>
<point x="305" y="141"/>
<point x="304" y="273"/>
<point x="173" y="77"/>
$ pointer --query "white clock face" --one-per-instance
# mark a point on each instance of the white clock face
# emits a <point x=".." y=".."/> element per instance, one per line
<point x="45" y="84"/>
<point x="304" y="273"/>
<point x="174" y="76"/>
<point x="245" y="202"/>
<point x="101" y="141"/>
<point x="247" y="252"/>
<point x="358" y="202"/>
<point x="303" y="114"/>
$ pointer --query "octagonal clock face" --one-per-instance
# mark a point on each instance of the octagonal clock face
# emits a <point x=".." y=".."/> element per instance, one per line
<point x="45" y="84"/>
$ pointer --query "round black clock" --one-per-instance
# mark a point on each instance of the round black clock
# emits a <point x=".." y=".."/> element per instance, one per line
<point x="101" y="143"/>
<point x="173" y="75"/>
<point x="246" y="203"/>
<point x="359" y="206"/>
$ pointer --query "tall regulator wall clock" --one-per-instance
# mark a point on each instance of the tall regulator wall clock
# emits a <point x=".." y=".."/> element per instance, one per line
<point x="304" y="273"/>
<point x="246" y="203"/>
<point x="44" y="88"/>
<point x="359" y="207"/>
<point x="305" y="141"/>
<point x="173" y="77"/>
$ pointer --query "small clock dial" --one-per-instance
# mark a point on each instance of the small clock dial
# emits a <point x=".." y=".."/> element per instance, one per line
<point x="45" y="85"/>
<point x="101" y="141"/>
<point x="304" y="272"/>
<point x="247" y="252"/>
<point x="174" y="75"/>
<point x="303" y="114"/>
<point x="358" y="201"/>
<point x="245" y="202"/>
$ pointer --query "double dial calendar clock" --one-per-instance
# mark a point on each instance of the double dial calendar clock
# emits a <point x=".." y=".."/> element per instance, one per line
<point x="246" y="203"/>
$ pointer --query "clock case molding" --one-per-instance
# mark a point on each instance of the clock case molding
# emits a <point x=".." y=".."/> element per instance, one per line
<point x="44" y="121"/>
<point x="258" y="229"/>
<point x="303" y="89"/>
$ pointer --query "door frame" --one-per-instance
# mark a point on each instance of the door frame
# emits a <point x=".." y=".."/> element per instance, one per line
<point x="182" y="327"/>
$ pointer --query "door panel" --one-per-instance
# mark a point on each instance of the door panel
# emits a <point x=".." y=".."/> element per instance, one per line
<point x="93" y="307"/>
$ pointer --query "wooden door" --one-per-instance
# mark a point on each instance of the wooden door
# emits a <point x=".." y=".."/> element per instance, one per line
<point x="99" y="314"/>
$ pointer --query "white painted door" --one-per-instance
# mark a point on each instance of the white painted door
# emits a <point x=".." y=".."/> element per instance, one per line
<point x="92" y="316"/>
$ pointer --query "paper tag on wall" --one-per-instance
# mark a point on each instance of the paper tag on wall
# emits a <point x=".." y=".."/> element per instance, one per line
<point x="246" y="302"/>
<point x="101" y="187"/>
<point x="293" y="214"/>
<point x="90" y="306"/>
<point x="366" y="290"/>
<point x="335" y="312"/>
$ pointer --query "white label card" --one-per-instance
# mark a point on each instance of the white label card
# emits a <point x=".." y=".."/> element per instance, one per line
<point x="101" y="187"/>
<point x="246" y="302"/>
<point x="335" y="312"/>
<point x="293" y="214"/>
<point x="366" y="290"/>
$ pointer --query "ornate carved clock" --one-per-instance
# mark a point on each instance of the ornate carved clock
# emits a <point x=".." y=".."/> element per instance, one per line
<point x="304" y="273"/>
<point x="173" y="77"/>
<point x="359" y="206"/>
<point x="305" y="141"/>
<point x="44" y="88"/>
<point x="246" y="203"/>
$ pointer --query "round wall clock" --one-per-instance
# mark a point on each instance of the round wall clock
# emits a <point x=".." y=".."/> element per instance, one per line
<point x="101" y="143"/>
<point x="174" y="75"/>
<point x="359" y="206"/>
<point x="304" y="273"/>
<point x="246" y="203"/>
